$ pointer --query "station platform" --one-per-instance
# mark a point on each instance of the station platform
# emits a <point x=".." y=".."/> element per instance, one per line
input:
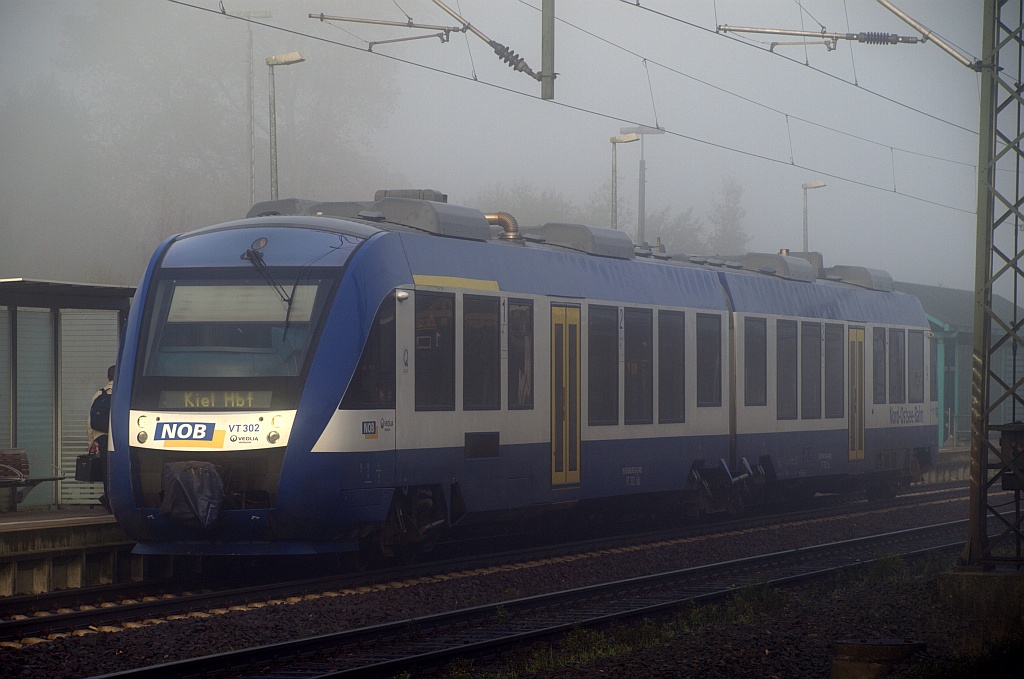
<point x="48" y="548"/>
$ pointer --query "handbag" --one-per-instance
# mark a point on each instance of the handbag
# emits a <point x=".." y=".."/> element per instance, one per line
<point x="89" y="468"/>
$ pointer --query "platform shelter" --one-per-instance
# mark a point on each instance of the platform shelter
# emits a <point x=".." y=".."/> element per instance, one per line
<point x="56" y="341"/>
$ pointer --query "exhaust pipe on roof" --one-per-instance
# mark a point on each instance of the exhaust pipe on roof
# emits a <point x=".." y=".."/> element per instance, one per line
<point x="508" y="223"/>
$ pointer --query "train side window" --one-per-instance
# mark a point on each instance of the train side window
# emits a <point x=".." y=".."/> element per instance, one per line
<point x="435" y="351"/>
<point x="933" y="361"/>
<point x="786" y="370"/>
<point x="520" y="354"/>
<point x="373" y="383"/>
<point x="481" y="353"/>
<point x="897" y="367"/>
<point x="915" y="366"/>
<point x="603" y="364"/>
<point x="671" y="366"/>
<point x="878" y="364"/>
<point x="709" y="360"/>
<point x="639" y="367"/>
<point x="835" y="387"/>
<point x="810" y="371"/>
<point x="755" y="361"/>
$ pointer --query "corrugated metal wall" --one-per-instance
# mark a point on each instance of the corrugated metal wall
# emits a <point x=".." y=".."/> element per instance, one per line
<point x="36" y="397"/>
<point x="88" y="347"/>
<point x="5" y="378"/>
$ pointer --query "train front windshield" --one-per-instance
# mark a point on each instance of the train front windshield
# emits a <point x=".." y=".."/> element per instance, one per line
<point x="243" y="328"/>
<point x="233" y="327"/>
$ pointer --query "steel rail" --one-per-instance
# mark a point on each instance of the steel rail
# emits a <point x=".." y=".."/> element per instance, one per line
<point x="433" y="639"/>
<point x="36" y="621"/>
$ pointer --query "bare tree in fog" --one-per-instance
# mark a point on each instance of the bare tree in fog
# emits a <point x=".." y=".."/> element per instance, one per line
<point x="532" y="205"/>
<point x="678" y="232"/>
<point x="728" y="237"/>
<point x="140" y="130"/>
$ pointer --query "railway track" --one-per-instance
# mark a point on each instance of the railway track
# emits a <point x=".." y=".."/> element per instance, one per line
<point x="416" y="644"/>
<point x="111" y="608"/>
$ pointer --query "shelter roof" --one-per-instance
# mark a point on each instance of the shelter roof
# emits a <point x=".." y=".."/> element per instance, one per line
<point x="26" y="292"/>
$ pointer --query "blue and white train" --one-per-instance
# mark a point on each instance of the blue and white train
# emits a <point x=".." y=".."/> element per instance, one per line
<point x="343" y="376"/>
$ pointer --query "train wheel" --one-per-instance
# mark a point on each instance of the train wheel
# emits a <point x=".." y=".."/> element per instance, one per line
<point x="358" y="561"/>
<point x="882" y="489"/>
<point x="735" y="505"/>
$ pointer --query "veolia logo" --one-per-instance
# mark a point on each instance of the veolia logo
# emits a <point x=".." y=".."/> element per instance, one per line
<point x="185" y="431"/>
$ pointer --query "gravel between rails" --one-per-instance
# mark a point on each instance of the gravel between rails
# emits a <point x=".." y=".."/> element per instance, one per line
<point x="793" y="641"/>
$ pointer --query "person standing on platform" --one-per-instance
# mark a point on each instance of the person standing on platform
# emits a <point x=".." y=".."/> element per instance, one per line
<point x="98" y="424"/>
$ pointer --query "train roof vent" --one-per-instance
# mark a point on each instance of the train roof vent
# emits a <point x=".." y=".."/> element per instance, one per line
<point x="783" y="266"/>
<point x="438" y="218"/>
<point x="593" y="240"/>
<point x="284" y="206"/>
<point x="862" y="276"/>
<point x="418" y="194"/>
<point x="442" y="219"/>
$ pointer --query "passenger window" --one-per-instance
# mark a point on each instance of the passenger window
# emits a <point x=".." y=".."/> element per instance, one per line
<point x="897" y="367"/>
<point x="435" y="351"/>
<point x="835" y="387"/>
<point x="786" y="370"/>
<point x="671" y="366"/>
<point x="709" y="360"/>
<point x="639" y="367"/>
<point x="810" y="371"/>
<point x="755" y="361"/>
<point x="481" y="353"/>
<point x="603" y="365"/>
<point x="878" y="364"/>
<point x="520" y="354"/>
<point x="373" y="383"/>
<point x="915" y="366"/>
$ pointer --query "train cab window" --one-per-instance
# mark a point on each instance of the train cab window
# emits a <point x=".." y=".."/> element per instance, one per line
<point x="671" y="367"/>
<point x="755" y="361"/>
<point x="481" y="353"/>
<point x="709" y="360"/>
<point x="933" y="363"/>
<point x="897" y="367"/>
<point x="435" y="351"/>
<point x="638" y="381"/>
<point x="915" y="366"/>
<point x="810" y="371"/>
<point x="520" y="354"/>
<point x="603" y="365"/>
<point x="878" y="364"/>
<point x="373" y="384"/>
<point x="835" y="387"/>
<point x="786" y="370"/>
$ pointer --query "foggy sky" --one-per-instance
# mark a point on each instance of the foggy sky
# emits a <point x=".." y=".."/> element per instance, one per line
<point x="125" y="122"/>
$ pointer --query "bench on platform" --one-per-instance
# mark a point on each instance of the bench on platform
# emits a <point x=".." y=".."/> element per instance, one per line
<point x="16" y="479"/>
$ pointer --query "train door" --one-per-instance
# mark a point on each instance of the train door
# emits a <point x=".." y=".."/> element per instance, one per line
<point x="856" y="393"/>
<point x="565" y="394"/>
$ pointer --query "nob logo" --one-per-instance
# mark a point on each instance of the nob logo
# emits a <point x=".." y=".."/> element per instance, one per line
<point x="185" y="431"/>
<point x="369" y="429"/>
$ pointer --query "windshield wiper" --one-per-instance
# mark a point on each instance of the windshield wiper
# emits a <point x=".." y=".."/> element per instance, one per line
<point x="255" y="257"/>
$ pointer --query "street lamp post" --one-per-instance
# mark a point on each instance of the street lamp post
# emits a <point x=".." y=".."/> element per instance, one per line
<point x="279" y="60"/>
<point x="618" y="139"/>
<point x="808" y="185"/>
<point x="641" y="217"/>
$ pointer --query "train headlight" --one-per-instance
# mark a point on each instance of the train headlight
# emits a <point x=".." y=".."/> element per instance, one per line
<point x="142" y="437"/>
<point x="273" y="437"/>
<point x="143" y="421"/>
<point x="276" y="420"/>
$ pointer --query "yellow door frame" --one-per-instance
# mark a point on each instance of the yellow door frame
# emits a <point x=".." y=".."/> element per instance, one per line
<point x="565" y="394"/>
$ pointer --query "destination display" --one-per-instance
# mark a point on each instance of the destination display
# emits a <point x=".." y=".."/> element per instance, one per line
<point x="215" y="400"/>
